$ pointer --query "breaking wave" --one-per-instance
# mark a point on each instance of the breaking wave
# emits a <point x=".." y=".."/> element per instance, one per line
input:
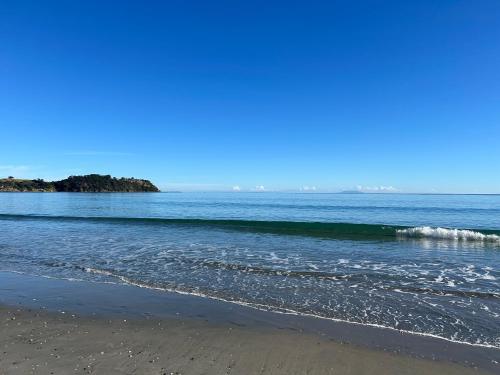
<point x="447" y="234"/>
<point x="333" y="230"/>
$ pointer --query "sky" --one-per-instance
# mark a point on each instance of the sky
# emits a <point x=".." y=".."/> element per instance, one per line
<point x="316" y="96"/>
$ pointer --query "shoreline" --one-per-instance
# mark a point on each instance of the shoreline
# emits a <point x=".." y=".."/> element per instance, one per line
<point x="92" y="305"/>
<point x="283" y="311"/>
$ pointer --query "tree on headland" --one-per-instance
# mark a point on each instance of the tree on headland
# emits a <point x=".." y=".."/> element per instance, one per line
<point x="103" y="183"/>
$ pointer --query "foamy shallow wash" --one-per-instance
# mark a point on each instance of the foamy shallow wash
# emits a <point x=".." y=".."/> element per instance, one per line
<point x="390" y="261"/>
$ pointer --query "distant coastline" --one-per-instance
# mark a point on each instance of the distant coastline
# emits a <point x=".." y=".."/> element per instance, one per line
<point x="350" y="192"/>
<point x="92" y="183"/>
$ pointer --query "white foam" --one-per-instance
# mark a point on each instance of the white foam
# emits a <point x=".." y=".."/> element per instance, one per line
<point x="99" y="272"/>
<point x="449" y="234"/>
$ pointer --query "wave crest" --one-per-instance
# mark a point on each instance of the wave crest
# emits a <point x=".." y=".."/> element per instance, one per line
<point x="327" y="230"/>
<point x="447" y="234"/>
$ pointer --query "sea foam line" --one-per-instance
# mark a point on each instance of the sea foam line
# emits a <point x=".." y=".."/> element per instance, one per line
<point x="280" y="310"/>
<point x="255" y="306"/>
<point x="447" y="234"/>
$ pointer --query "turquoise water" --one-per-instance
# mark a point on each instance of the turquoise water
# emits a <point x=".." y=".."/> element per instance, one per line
<point x="422" y="263"/>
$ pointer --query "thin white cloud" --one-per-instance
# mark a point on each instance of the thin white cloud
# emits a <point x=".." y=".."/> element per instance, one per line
<point x="308" y="188"/>
<point x="14" y="170"/>
<point x="98" y="153"/>
<point x="10" y="167"/>
<point x="260" y="188"/>
<point x="236" y="188"/>
<point x="377" y="189"/>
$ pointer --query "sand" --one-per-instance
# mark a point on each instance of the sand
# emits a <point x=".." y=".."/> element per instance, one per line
<point x="40" y="342"/>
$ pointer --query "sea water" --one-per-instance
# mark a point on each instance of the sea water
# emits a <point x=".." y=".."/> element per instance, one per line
<point x="427" y="264"/>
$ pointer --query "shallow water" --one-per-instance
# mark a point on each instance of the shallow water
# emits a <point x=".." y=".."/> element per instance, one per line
<point x="282" y="252"/>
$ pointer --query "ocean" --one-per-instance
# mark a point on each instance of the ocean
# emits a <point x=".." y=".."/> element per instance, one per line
<point x="426" y="264"/>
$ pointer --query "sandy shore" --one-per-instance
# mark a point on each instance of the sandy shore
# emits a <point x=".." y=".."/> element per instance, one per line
<point x="53" y="326"/>
<point x="61" y="343"/>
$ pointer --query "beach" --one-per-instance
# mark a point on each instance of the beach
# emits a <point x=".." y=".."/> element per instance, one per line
<point x="248" y="284"/>
<point x="205" y="187"/>
<point x="44" y="343"/>
<point x="58" y="327"/>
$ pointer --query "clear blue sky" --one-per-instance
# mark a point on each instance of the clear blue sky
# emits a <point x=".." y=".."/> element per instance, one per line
<point x="207" y="95"/>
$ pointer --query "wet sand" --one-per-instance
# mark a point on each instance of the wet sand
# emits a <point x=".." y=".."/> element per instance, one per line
<point x="61" y="327"/>
<point x="51" y="343"/>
